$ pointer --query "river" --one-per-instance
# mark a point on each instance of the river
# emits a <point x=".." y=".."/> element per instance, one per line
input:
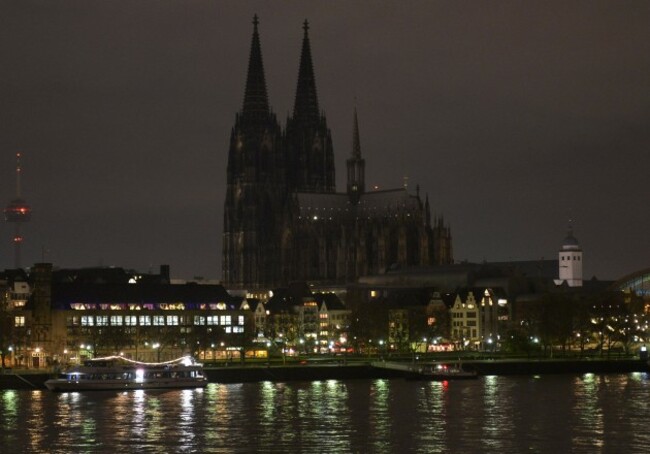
<point x="493" y="414"/>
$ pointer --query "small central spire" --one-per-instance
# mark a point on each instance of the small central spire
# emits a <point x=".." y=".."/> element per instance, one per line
<point x="356" y="141"/>
<point x="356" y="165"/>
<point x="305" y="26"/>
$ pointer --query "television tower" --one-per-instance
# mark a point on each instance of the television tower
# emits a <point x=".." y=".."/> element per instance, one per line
<point x="17" y="212"/>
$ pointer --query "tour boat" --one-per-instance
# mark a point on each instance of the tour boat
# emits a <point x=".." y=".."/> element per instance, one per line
<point x="441" y="372"/>
<point x="119" y="373"/>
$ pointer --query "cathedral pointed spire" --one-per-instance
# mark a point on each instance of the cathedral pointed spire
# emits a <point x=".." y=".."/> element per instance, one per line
<point x="427" y="211"/>
<point x="356" y="142"/>
<point x="256" y="103"/>
<point x="310" y="160"/>
<point x="305" y="108"/>
<point x="356" y="165"/>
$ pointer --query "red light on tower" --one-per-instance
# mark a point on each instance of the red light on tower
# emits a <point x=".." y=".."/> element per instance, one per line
<point x="17" y="213"/>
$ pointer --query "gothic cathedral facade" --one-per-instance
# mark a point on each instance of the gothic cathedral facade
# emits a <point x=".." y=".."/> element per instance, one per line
<point x="284" y="220"/>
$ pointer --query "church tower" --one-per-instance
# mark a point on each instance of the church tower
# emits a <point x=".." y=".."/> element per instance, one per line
<point x="255" y="184"/>
<point x="356" y="166"/>
<point x="309" y="141"/>
<point x="570" y="261"/>
<point x="284" y="220"/>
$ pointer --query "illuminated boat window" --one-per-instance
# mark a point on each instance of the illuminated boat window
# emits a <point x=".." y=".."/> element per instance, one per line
<point x="139" y="376"/>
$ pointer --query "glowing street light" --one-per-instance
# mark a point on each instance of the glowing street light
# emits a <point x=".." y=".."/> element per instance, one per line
<point x="156" y="347"/>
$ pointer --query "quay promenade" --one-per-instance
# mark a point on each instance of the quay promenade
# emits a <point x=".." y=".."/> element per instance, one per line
<point x="355" y="369"/>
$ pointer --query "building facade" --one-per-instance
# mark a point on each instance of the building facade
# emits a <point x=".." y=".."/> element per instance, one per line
<point x="299" y="321"/>
<point x="284" y="220"/>
<point x="63" y="316"/>
<point x="479" y="317"/>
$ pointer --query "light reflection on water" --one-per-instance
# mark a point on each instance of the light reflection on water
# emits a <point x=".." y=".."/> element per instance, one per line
<point x="555" y="413"/>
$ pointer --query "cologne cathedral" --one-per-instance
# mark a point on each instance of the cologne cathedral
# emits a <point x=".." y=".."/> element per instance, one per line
<point x="284" y="220"/>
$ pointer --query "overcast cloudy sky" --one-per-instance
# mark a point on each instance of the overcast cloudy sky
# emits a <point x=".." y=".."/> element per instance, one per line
<point x="512" y="116"/>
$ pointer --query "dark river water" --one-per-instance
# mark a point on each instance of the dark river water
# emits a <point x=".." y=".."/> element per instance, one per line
<point x="495" y="414"/>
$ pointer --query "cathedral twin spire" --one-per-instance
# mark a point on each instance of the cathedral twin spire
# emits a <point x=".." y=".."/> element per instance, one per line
<point x="310" y="158"/>
<point x="305" y="109"/>
<point x="256" y="103"/>
<point x="269" y="171"/>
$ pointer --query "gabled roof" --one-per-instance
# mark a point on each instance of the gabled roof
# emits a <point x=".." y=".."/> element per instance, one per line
<point x="242" y="303"/>
<point x="448" y="299"/>
<point x="298" y="291"/>
<point x="253" y="303"/>
<point x="14" y="275"/>
<point x="478" y="293"/>
<point x="331" y="300"/>
<point x="542" y="269"/>
<point x="285" y="299"/>
<point x="105" y="275"/>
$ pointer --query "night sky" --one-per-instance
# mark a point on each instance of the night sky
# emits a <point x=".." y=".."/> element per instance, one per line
<point x="514" y="117"/>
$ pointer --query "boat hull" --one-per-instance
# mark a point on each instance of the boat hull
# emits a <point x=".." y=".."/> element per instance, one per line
<point x="441" y="377"/>
<point x="441" y="372"/>
<point x="107" y="385"/>
<point x="119" y="373"/>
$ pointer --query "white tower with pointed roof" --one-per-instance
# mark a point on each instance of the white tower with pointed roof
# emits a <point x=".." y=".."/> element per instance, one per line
<point x="570" y="261"/>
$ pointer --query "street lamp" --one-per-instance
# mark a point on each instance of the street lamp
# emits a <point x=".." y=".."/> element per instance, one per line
<point x="156" y="346"/>
<point x="343" y="341"/>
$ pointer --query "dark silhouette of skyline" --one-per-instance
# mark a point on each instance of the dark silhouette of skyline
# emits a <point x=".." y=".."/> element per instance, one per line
<point x="513" y="118"/>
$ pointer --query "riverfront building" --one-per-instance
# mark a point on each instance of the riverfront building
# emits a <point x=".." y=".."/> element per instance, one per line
<point x="50" y="317"/>
<point x="479" y="317"/>
<point x="72" y="314"/>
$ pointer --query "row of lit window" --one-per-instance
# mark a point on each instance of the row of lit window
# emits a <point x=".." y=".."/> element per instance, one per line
<point x="463" y="314"/>
<point x="468" y="323"/>
<point x="188" y="329"/>
<point x="151" y="320"/>
<point x="457" y="333"/>
<point x="19" y="296"/>
<point x="145" y="306"/>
